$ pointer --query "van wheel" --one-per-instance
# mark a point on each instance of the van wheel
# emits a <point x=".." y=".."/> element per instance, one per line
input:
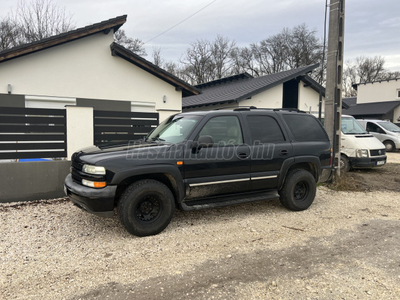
<point x="344" y="164"/>
<point x="299" y="190"/>
<point x="389" y="146"/>
<point x="146" y="207"/>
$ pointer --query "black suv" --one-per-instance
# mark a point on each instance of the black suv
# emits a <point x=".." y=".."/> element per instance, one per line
<point x="200" y="160"/>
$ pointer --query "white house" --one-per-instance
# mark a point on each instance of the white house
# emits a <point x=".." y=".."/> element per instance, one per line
<point x="84" y="67"/>
<point x="288" y="89"/>
<point x="376" y="100"/>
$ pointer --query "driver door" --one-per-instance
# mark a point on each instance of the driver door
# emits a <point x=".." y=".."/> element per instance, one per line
<point x="220" y="167"/>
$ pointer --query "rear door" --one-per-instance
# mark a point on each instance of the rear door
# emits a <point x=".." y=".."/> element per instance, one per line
<point x="269" y="147"/>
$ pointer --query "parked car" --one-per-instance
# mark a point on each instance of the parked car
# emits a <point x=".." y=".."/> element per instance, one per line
<point x="200" y="160"/>
<point x="385" y="131"/>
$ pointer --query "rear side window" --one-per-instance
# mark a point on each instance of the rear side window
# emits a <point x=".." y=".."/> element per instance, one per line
<point x="305" y="127"/>
<point x="264" y="129"/>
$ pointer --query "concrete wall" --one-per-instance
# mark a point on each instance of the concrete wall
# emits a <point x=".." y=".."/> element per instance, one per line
<point x="85" y="68"/>
<point x="28" y="181"/>
<point x="378" y="91"/>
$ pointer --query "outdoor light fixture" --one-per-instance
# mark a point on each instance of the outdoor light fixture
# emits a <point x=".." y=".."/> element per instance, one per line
<point x="9" y="89"/>
<point x="164" y="99"/>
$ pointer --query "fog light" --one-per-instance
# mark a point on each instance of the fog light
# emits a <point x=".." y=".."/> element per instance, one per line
<point x="94" y="184"/>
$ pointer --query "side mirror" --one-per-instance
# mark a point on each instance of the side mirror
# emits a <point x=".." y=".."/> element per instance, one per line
<point x="205" y="141"/>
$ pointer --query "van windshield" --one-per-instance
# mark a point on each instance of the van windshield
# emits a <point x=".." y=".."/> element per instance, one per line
<point x="389" y="126"/>
<point x="351" y="126"/>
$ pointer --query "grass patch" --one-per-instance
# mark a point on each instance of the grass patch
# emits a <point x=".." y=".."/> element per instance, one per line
<point x="344" y="183"/>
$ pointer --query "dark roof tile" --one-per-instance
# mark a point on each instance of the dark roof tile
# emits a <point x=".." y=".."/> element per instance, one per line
<point x="243" y="87"/>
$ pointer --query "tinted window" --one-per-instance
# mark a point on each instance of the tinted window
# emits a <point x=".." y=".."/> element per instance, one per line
<point x="305" y="127"/>
<point x="371" y="127"/>
<point x="224" y="130"/>
<point x="264" y="129"/>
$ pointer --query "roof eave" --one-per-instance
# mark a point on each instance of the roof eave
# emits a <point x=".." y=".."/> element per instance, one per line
<point x="267" y="87"/>
<point x="62" y="38"/>
<point x="120" y="51"/>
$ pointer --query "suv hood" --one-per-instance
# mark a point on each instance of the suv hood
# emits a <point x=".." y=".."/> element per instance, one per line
<point x="94" y="154"/>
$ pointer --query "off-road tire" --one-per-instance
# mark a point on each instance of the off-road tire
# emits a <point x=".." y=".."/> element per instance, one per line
<point x="298" y="191"/>
<point x="146" y="207"/>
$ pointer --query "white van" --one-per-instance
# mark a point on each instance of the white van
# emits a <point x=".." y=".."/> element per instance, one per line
<point x="385" y="131"/>
<point x="359" y="148"/>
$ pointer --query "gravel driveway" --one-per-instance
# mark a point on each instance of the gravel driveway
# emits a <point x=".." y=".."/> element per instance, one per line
<point x="344" y="247"/>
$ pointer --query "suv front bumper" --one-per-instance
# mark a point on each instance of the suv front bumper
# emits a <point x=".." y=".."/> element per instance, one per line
<point x="96" y="201"/>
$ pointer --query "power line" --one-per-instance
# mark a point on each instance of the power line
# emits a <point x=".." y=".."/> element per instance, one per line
<point x="181" y="22"/>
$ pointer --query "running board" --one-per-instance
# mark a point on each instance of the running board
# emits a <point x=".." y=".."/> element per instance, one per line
<point x="228" y="200"/>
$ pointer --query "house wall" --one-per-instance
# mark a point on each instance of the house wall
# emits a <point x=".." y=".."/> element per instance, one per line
<point x="271" y="98"/>
<point x="85" y="68"/>
<point x="309" y="98"/>
<point x="396" y="115"/>
<point x="378" y="91"/>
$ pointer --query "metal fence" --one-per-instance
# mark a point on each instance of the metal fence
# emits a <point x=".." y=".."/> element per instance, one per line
<point x="116" y="127"/>
<point x="32" y="133"/>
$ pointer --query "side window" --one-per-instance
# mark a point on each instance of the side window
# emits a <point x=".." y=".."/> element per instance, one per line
<point x="264" y="129"/>
<point x="371" y="127"/>
<point x="223" y="130"/>
<point x="305" y="127"/>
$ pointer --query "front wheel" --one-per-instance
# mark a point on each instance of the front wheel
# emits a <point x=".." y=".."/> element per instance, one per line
<point x="389" y="146"/>
<point x="344" y="164"/>
<point x="146" y="207"/>
<point x="299" y="190"/>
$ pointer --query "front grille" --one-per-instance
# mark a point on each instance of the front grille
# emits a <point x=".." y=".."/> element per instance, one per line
<point x="377" y="152"/>
<point x="77" y="165"/>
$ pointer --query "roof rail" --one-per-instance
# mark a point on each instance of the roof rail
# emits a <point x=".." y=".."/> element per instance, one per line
<point x="289" y="109"/>
<point x="237" y="108"/>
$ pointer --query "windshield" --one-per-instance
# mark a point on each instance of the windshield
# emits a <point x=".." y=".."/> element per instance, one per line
<point x="389" y="126"/>
<point x="174" y="129"/>
<point x="351" y="126"/>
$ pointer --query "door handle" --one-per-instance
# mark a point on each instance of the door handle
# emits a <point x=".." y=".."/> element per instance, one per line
<point x="284" y="153"/>
<point x="243" y="155"/>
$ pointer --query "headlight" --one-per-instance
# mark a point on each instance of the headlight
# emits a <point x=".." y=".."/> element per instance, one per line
<point x="96" y="170"/>
<point x="362" y="153"/>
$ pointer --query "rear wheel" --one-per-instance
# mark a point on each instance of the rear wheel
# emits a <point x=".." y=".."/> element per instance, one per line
<point x="389" y="146"/>
<point x="299" y="190"/>
<point x="146" y="207"/>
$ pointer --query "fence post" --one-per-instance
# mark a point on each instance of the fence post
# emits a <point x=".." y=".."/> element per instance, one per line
<point x="79" y="128"/>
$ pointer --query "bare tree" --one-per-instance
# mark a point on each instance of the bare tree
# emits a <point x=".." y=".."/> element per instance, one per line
<point x="289" y="49"/>
<point x="243" y="61"/>
<point x="134" y="45"/>
<point x="157" y="57"/>
<point x="221" y="50"/>
<point x="10" y="34"/>
<point x="364" y="69"/>
<point x="32" y="21"/>
<point x="40" y="19"/>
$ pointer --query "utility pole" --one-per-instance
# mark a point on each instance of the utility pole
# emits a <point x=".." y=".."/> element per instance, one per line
<point x="334" y="75"/>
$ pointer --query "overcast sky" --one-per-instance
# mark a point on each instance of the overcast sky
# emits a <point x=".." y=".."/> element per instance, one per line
<point x="371" y="27"/>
